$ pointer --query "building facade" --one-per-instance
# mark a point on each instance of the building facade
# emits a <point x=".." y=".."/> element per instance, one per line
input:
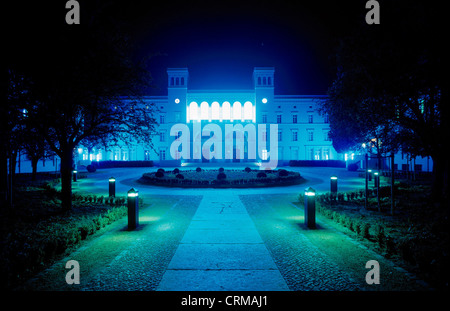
<point x="250" y="125"/>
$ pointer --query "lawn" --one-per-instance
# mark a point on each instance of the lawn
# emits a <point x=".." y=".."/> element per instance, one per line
<point x="36" y="231"/>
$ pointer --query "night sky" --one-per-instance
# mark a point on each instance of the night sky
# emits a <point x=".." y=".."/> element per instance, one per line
<point x="219" y="41"/>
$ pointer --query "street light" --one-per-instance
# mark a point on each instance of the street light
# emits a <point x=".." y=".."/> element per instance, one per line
<point x="310" y="208"/>
<point x="333" y="184"/>
<point x="112" y="187"/>
<point x="133" y="208"/>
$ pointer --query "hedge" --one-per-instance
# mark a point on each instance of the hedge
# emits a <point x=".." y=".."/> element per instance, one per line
<point x="112" y="164"/>
<point x="317" y="163"/>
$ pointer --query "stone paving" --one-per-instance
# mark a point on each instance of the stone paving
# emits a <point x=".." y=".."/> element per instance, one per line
<point x="207" y="239"/>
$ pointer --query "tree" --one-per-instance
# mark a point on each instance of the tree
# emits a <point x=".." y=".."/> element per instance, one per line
<point x="89" y="88"/>
<point x="389" y="86"/>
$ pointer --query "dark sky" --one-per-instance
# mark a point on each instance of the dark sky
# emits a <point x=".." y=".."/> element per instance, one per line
<point x="219" y="41"/>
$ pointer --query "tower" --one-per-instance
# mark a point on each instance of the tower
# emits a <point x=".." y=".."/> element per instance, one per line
<point x="177" y="90"/>
<point x="263" y="81"/>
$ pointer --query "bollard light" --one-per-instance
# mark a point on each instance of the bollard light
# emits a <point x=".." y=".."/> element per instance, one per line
<point x="333" y="184"/>
<point x="376" y="179"/>
<point x="112" y="187"/>
<point x="133" y="208"/>
<point x="74" y="175"/>
<point x="310" y="208"/>
<point x="370" y="174"/>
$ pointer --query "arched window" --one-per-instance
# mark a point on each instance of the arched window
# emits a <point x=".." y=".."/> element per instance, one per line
<point x="264" y="80"/>
<point x="259" y="80"/>
<point x="237" y="111"/>
<point x="204" y="111"/>
<point x="177" y="81"/>
<point x="226" y="111"/>
<point x="215" y="111"/>
<point x="182" y="81"/>
<point x="269" y="81"/>
<point x="248" y="111"/>
<point x="171" y="81"/>
<point x="193" y="111"/>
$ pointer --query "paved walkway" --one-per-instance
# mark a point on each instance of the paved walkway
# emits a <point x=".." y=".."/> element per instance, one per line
<point x="227" y="239"/>
<point x="222" y="250"/>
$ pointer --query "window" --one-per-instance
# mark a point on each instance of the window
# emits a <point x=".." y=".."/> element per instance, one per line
<point x="162" y="119"/>
<point x="264" y="81"/>
<point x="237" y="111"/>
<point x="264" y="135"/>
<point x="264" y="118"/>
<point x="278" y="118"/>
<point x="162" y="154"/>
<point x="215" y="111"/>
<point x="193" y="111"/>
<point x="248" y="111"/>
<point x="294" y="136"/>
<point x="326" y="136"/>
<point x="310" y="135"/>
<point x="177" y="81"/>
<point x="162" y="136"/>
<point x="325" y="119"/>
<point x="280" y="136"/>
<point x="204" y="111"/>
<point x="182" y="81"/>
<point x="172" y="81"/>
<point x="269" y="81"/>
<point x="264" y="155"/>
<point x="226" y="111"/>
<point x="294" y="118"/>
<point x="259" y="80"/>
<point x="310" y="118"/>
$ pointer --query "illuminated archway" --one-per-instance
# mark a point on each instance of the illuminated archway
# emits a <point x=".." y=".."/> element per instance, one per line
<point x="226" y="111"/>
<point x="204" y="111"/>
<point x="237" y="111"/>
<point x="248" y="111"/>
<point x="193" y="111"/>
<point x="215" y="111"/>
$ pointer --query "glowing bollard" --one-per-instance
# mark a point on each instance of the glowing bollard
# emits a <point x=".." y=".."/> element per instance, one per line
<point x="74" y="175"/>
<point x="133" y="209"/>
<point x="333" y="184"/>
<point x="370" y="174"/>
<point x="376" y="179"/>
<point x="112" y="187"/>
<point x="310" y="208"/>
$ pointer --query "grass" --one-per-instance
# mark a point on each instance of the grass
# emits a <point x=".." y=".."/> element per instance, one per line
<point x="417" y="233"/>
<point x="36" y="231"/>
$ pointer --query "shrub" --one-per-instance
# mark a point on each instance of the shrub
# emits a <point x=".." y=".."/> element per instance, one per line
<point x="248" y="169"/>
<point x="91" y="168"/>
<point x="261" y="175"/>
<point x="283" y="173"/>
<point x="221" y="170"/>
<point x="176" y="171"/>
<point x="179" y="176"/>
<point x="221" y="176"/>
<point x="160" y="170"/>
<point x="159" y="174"/>
<point x="198" y="169"/>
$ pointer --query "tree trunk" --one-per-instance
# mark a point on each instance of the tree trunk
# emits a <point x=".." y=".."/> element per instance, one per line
<point x="440" y="190"/>
<point x="66" y="179"/>
<point x="34" y="163"/>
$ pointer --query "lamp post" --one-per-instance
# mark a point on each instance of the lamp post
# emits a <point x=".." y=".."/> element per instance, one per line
<point x="133" y="208"/>
<point x="333" y="184"/>
<point x="310" y="208"/>
<point x="112" y="187"/>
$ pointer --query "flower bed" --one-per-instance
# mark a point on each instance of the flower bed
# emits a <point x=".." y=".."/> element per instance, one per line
<point x="221" y="178"/>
